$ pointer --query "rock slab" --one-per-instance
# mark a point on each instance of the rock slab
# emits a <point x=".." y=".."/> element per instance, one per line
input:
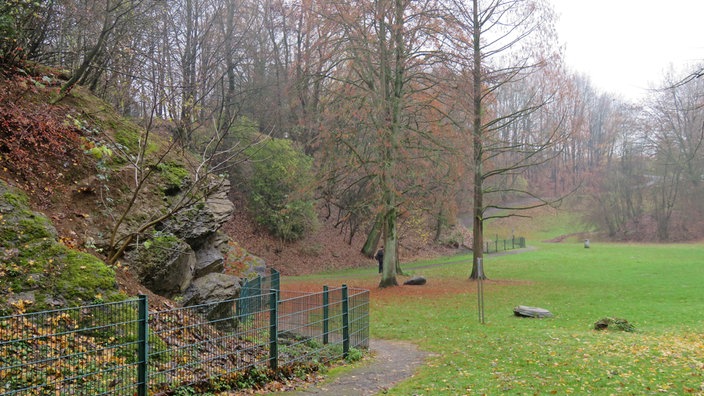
<point x="416" y="281"/>
<point x="531" y="312"/>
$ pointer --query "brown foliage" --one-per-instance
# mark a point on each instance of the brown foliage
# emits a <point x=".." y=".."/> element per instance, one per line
<point x="38" y="149"/>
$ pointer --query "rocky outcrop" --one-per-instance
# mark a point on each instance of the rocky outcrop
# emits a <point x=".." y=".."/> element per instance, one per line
<point x="211" y="255"/>
<point x="187" y="255"/>
<point x="212" y="294"/>
<point x="200" y="221"/>
<point x="164" y="264"/>
<point x="184" y="256"/>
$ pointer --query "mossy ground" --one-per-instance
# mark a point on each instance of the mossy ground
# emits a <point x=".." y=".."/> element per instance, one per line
<point x="37" y="268"/>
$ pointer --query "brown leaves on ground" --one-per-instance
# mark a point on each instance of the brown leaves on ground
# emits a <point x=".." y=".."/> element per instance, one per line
<point x="40" y="149"/>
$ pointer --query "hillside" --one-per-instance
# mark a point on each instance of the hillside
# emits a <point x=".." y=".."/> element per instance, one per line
<point x="325" y="249"/>
<point x="54" y="153"/>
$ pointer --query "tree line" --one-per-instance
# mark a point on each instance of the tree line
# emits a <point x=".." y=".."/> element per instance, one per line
<point x="409" y="109"/>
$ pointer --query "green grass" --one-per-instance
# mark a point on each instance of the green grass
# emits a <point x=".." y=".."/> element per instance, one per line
<point x="656" y="288"/>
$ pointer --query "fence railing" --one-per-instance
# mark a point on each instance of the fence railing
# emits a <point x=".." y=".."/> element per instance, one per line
<point x="124" y="349"/>
<point x="498" y="245"/>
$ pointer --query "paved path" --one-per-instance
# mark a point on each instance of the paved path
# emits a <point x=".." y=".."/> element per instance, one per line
<point x="393" y="362"/>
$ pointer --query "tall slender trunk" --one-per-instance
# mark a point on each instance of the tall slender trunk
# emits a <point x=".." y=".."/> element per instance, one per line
<point x="392" y="99"/>
<point x="90" y="56"/>
<point x="229" y="99"/>
<point x="373" y="237"/>
<point x="478" y="148"/>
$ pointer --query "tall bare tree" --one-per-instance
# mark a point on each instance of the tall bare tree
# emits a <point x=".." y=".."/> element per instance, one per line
<point x="502" y="43"/>
<point x="676" y="116"/>
<point x="389" y="48"/>
<point x="114" y="14"/>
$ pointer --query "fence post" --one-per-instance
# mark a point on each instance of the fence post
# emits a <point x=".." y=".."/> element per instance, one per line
<point x="259" y="302"/>
<point x="142" y="345"/>
<point x="326" y="315"/>
<point x="275" y="280"/>
<point x="345" y="323"/>
<point x="273" y="331"/>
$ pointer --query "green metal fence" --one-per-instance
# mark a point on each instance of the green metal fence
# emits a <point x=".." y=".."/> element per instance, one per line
<point x="253" y="291"/>
<point x="498" y="245"/>
<point x="124" y="349"/>
<point x="90" y="350"/>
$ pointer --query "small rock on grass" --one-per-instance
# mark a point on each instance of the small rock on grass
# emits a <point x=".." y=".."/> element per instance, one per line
<point x="416" y="281"/>
<point x="531" y="312"/>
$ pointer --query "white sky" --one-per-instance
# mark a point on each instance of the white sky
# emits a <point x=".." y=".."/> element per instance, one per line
<point x="625" y="46"/>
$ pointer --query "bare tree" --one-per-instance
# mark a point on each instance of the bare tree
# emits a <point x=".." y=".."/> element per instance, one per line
<point x="676" y="138"/>
<point x="385" y="81"/>
<point x="114" y="14"/>
<point x="500" y="45"/>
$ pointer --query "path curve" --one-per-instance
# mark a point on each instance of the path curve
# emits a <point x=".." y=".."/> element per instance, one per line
<point x="393" y="362"/>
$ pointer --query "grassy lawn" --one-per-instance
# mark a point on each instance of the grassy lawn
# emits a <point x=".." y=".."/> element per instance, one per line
<point x="657" y="288"/>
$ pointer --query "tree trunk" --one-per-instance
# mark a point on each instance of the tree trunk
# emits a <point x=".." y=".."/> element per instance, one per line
<point x="372" y="241"/>
<point x="399" y="270"/>
<point x="478" y="148"/>
<point x="440" y="224"/>
<point x="388" y="275"/>
<point x="390" y="151"/>
<point x="90" y="56"/>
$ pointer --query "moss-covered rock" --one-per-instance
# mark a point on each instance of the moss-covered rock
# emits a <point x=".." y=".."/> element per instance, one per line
<point x="83" y="276"/>
<point x="164" y="263"/>
<point x="19" y="225"/>
<point x="174" y="177"/>
<point x="38" y="270"/>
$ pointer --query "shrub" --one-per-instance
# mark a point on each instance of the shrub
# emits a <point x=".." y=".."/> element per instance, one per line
<point x="279" y="197"/>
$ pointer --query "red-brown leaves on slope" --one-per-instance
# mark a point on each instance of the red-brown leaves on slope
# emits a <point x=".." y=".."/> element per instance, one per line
<point x="38" y="147"/>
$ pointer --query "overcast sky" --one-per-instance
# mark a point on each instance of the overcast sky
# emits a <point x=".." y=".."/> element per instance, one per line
<point x="626" y="45"/>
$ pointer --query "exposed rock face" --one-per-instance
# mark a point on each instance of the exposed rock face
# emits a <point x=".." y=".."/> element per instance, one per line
<point x="208" y="260"/>
<point x="212" y="294"/>
<point x="197" y="223"/>
<point x="219" y="204"/>
<point x="187" y="247"/>
<point x="210" y="257"/>
<point x="178" y="272"/>
<point x="165" y="265"/>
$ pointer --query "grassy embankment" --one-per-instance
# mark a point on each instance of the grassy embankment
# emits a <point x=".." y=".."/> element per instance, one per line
<point x="657" y="288"/>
